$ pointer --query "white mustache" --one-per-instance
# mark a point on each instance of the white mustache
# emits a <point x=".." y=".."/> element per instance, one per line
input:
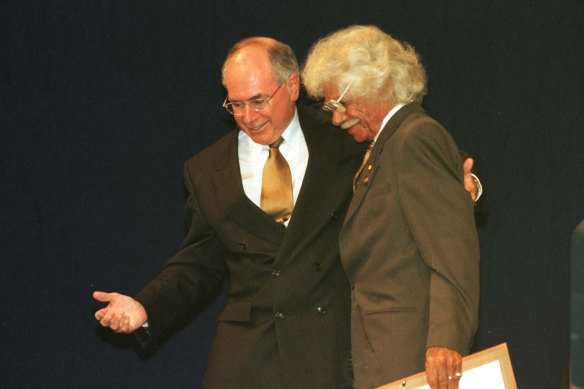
<point x="349" y="123"/>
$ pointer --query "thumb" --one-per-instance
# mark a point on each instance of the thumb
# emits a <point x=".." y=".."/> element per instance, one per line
<point x="103" y="296"/>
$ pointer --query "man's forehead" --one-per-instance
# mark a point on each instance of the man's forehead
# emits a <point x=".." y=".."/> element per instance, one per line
<point x="250" y="87"/>
<point x="247" y="82"/>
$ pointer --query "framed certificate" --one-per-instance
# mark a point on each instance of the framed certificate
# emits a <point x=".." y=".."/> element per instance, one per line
<point x="487" y="369"/>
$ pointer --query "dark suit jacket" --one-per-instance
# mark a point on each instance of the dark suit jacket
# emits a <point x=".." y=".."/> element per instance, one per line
<point x="286" y="323"/>
<point x="410" y="249"/>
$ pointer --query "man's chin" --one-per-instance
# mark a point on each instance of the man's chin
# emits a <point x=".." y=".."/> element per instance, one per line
<point x="262" y="136"/>
<point x="357" y="134"/>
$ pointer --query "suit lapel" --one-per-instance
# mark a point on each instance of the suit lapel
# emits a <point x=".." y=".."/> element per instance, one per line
<point x="367" y="176"/>
<point x="315" y="200"/>
<point x="234" y="200"/>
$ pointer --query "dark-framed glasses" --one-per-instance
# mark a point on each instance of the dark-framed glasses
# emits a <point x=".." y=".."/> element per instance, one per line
<point x="258" y="104"/>
<point x="336" y="105"/>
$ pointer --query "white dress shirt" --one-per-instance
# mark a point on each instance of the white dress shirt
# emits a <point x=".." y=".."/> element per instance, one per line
<point x="386" y="119"/>
<point x="252" y="157"/>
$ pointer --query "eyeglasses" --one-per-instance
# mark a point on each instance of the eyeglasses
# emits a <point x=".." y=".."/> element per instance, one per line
<point x="258" y="104"/>
<point x="336" y="105"/>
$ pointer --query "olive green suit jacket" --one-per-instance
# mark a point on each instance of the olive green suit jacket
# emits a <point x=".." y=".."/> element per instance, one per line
<point x="410" y="250"/>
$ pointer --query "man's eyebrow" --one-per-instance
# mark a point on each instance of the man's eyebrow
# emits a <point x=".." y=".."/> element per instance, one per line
<point x="255" y="97"/>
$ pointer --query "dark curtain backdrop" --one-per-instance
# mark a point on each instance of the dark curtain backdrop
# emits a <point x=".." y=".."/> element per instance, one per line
<point x="101" y="102"/>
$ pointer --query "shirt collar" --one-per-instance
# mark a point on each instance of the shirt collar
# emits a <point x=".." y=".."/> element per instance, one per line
<point x="386" y="119"/>
<point x="292" y="137"/>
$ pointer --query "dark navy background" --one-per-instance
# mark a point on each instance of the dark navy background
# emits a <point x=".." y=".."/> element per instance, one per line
<point x="101" y="102"/>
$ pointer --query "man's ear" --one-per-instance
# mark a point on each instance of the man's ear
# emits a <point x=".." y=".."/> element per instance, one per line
<point x="293" y="84"/>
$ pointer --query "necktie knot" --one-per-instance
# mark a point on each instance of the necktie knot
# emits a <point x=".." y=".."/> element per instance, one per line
<point x="277" y="143"/>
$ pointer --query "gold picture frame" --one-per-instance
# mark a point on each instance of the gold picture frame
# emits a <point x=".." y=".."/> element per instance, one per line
<point x="490" y="368"/>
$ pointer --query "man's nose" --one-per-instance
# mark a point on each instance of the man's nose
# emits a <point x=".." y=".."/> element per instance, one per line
<point x="338" y="118"/>
<point x="249" y="114"/>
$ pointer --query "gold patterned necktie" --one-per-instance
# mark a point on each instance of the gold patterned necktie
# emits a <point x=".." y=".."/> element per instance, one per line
<point x="276" y="198"/>
<point x="365" y="159"/>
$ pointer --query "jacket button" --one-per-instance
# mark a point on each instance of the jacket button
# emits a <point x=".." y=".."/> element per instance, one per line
<point x="334" y="215"/>
<point x="321" y="310"/>
<point x="317" y="267"/>
<point x="242" y="246"/>
<point x="279" y="315"/>
<point x="276" y="272"/>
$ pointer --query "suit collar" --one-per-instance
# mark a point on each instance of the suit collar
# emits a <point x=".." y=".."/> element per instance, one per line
<point x="387" y="117"/>
<point x="394" y="123"/>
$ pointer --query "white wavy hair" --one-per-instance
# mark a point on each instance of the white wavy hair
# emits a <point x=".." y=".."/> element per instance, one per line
<point x="374" y="64"/>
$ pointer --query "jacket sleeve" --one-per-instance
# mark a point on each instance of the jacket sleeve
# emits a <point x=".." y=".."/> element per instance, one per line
<point x="440" y="214"/>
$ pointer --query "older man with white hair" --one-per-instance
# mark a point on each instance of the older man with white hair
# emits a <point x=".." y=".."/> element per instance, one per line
<point x="408" y="243"/>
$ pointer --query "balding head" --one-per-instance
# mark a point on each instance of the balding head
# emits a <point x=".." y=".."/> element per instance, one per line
<point x="281" y="56"/>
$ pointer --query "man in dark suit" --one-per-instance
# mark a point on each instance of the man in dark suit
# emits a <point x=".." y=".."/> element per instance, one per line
<point x="287" y="320"/>
<point x="408" y="243"/>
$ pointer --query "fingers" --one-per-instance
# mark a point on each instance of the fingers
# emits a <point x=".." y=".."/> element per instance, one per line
<point x="99" y="314"/>
<point x="112" y="319"/>
<point x="108" y="316"/>
<point x="469" y="182"/>
<point x="115" y="322"/>
<point x="454" y="371"/>
<point x="453" y="382"/>
<point x="104" y="315"/>
<point x="432" y="371"/>
<point x="442" y="378"/>
<point x="118" y="322"/>
<point x="467" y="166"/>
<point x="443" y="368"/>
<point x="453" y="363"/>
<point x="125" y="325"/>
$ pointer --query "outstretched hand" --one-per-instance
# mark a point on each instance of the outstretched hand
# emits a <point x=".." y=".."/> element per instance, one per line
<point x="123" y="314"/>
